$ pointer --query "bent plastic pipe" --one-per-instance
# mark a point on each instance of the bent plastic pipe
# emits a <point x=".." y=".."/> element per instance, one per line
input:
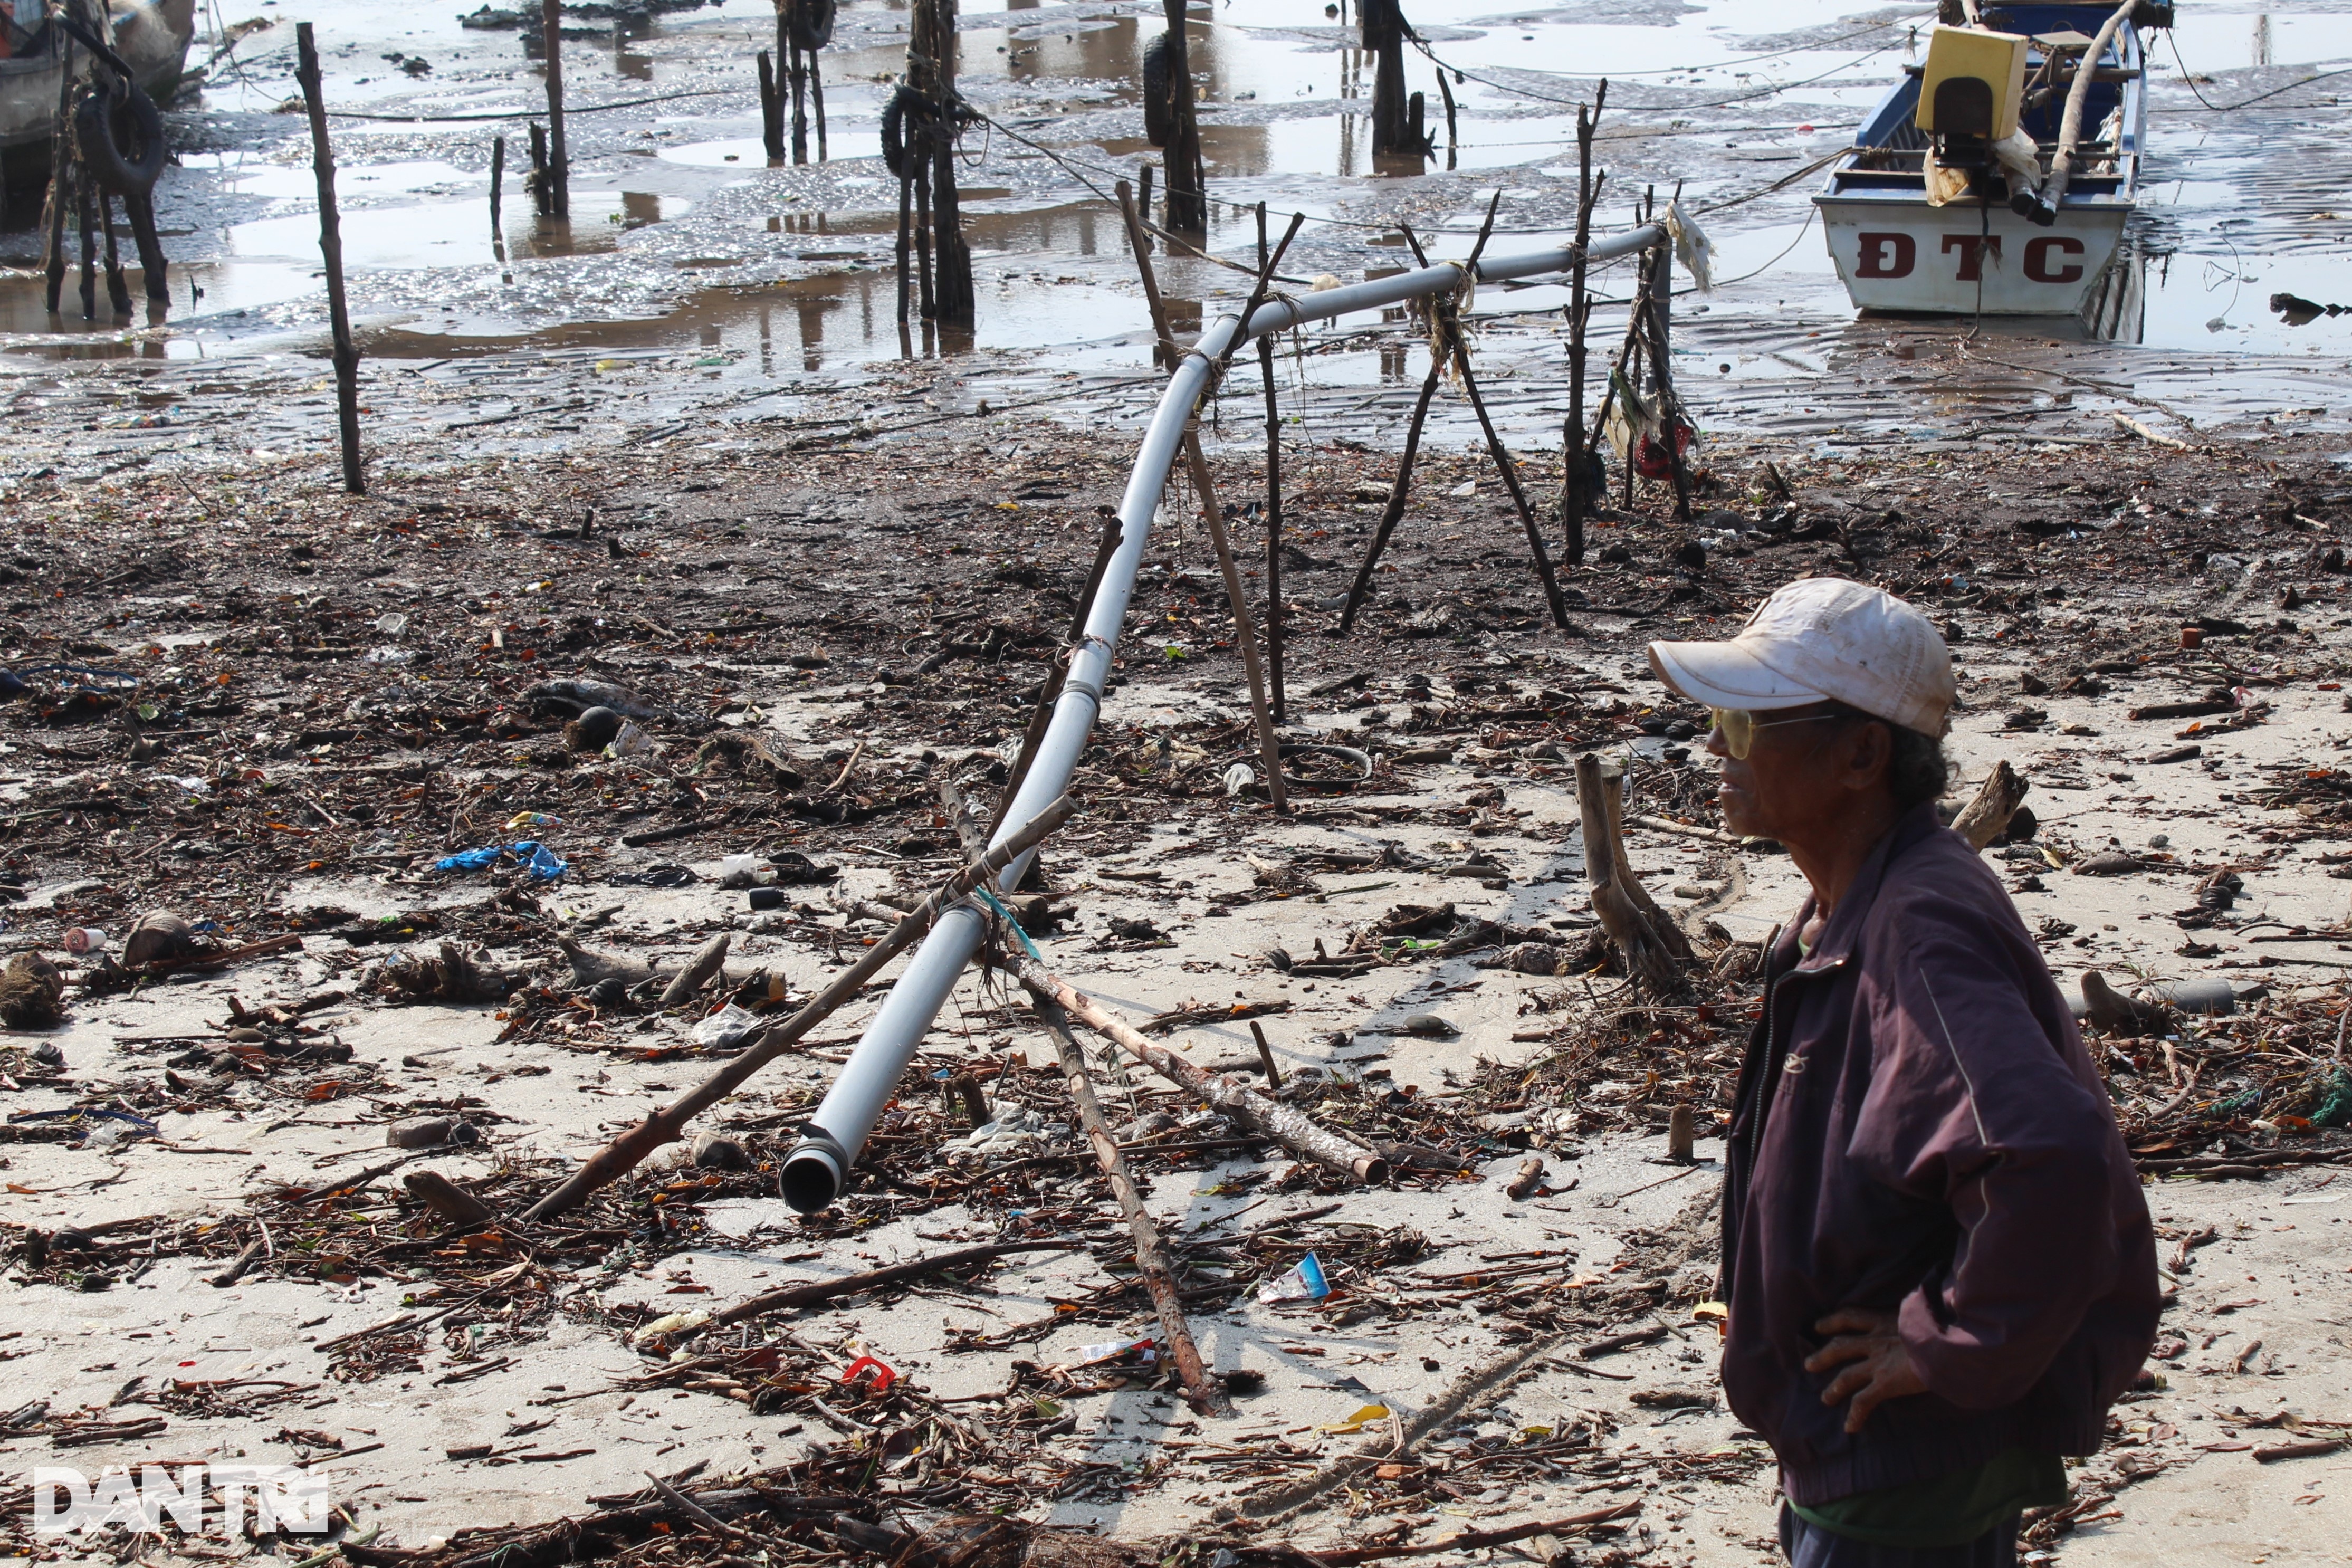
<point x="815" y="1170"/>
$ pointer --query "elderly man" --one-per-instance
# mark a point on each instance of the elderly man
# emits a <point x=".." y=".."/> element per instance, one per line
<point x="1936" y="1259"/>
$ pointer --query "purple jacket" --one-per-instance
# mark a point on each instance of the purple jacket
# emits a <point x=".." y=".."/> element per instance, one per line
<point x="1918" y="1128"/>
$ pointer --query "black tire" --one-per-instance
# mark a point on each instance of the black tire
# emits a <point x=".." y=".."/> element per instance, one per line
<point x="812" y="24"/>
<point x="894" y="135"/>
<point x="1158" y="122"/>
<point x="111" y="109"/>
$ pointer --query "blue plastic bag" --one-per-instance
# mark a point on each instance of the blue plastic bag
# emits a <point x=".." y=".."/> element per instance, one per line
<point x="538" y="862"/>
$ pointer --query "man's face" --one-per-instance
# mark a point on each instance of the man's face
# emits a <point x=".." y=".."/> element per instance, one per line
<point x="1788" y="788"/>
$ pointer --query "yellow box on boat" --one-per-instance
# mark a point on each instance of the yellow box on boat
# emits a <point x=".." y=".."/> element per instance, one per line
<point x="1960" y="55"/>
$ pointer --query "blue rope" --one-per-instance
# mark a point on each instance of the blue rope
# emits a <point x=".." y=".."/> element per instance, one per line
<point x="1031" y="947"/>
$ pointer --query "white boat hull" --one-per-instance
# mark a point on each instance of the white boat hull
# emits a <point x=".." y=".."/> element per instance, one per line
<point x="1960" y="260"/>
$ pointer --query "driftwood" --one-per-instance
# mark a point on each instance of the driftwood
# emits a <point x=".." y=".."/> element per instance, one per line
<point x="447" y="1199"/>
<point x="815" y="1291"/>
<point x="1292" y="1129"/>
<point x="453" y="975"/>
<point x="706" y="962"/>
<point x="1653" y="946"/>
<point x="1150" y="1258"/>
<point x="989" y="1542"/>
<point x="1982" y="819"/>
<point x="667" y="1125"/>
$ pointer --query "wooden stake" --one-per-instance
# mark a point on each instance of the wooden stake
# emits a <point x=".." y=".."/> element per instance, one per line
<point x="932" y="65"/>
<point x="1164" y="349"/>
<point x="799" y="73"/>
<point x="1576" y="497"/>
<point x="771" y="108"/>
<point x="906" y="224"/>
<point x="1269" y="747"/>
<point x="543" y="198"/>
<point x="1982" y="819"/>
<point x="817" y="100"/>
<point x="1390" y="515"/>
<point x="1661" y="291"/>
<point x="1151" y="1261"/>
<point x="330" y="251"/>
<point x="1274" y="608"/>
<point x="86" y="200"/>
<point x="1382" y="35"/>
<point x="497" y="191"/>
<point x="1145" y="201"/>
<point x="558" y="165"/>
<point x="1445" y="92"/>
<point x="117" y="286"/>
<point x="61" y="163"/>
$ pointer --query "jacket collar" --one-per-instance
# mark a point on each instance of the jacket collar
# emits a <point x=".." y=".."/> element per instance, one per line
<point x="1842" y="934"/>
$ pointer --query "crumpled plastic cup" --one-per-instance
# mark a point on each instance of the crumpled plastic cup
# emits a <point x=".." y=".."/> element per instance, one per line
<point x="1303" y="1281"/>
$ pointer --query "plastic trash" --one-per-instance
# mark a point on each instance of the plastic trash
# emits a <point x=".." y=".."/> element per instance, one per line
<point x="1303" y="1281"/>
<point x="1239" y="777"/>
<point x="1143" y="1351"/>
<point x="767" y="898"/>
<point x="79" y="940"/>
<point x="745" y="872"/>
<point x="532" y="819"/>
<point x="877" y="1375"/>
<point x="392" y="625"/>
<point x="390" y="655"/>
<point x="538" y="862"/>
<point x="725" y="1028"/>
<point x="1365" y="1415"/>
<point x="663" y="875"/>
<point x="628" y="742"/>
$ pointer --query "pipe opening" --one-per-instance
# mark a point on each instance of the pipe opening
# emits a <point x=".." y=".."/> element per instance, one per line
<point x="811" y="1178"/>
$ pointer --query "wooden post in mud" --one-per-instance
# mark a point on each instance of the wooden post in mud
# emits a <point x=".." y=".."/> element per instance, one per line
<point x="537" y="185"/>
<point x="1273" y="503"/>
<point x="497" y="195"/>
<point x="559" y="165"/>
<point x="1163" y="347"/>
<point x="1576" y="495"/>
<point x="772" y="109"/>
<point x="1188" y="169"/>
<point x="797" y="69"/>
<point x="1661" y="294"/>
<point x="330" y="251"/>
<point x="816" y="101"/>
<point x="1143" y="203"/>
<point x="1384" y="34"/>
<point x="53" y="219"/>
<point x="932" y="65"/>
<point x="1445" y="92"/>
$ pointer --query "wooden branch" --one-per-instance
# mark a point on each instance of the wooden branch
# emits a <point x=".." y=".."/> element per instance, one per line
<point x="447" y="1199"/>
<point x="1292" y="1129"/>
<point x="1151" y="1260"/>
<point x="1471" y="1539"/>
<point x="810" y="1294"/>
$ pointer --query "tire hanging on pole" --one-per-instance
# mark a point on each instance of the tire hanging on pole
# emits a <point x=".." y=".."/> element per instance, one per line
<point x="811" y="24"/>
<point x="111" y="109"/>
<point x="1158" y="121"/>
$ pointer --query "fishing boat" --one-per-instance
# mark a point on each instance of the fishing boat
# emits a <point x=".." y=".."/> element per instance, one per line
<point x="151" y="37"/>
<point x="1997" y="177"/>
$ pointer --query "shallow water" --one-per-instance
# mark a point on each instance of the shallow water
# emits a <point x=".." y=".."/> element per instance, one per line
<point x="683" y="237"/>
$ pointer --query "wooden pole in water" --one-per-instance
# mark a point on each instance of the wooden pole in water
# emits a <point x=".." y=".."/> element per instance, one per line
<point x="1445" y="92"/>
<point x="1143" y="201"/>
<point x="498" y="197"/>
<point x="931" y="60"/>
<point x="539" y="195"/>
<point x="1163" y="348"/>
<point x="772" y="109"/>
<point x="1272" y="504"/>
<point x="86" y="201"/>
<point x="816" y="101"/>
<point x="330" y="251"/>
<point x="906" y="223"/>
<point x="799" y="73"/>
<point x="558" y="165"/>
<point x="53" y="220"/>
<point x="1383" y="31"/>
<point x="1188" y="170"/>
<point x="118" y="286"/>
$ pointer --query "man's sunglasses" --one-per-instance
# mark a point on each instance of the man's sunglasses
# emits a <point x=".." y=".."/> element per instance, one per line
<point x="1739" y="726"/>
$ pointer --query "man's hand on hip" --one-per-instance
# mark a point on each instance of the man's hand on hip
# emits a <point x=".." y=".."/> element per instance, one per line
<point x="1881" y="1368"/>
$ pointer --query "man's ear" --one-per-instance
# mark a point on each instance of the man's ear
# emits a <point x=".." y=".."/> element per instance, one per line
<point x="1871" y="750"/>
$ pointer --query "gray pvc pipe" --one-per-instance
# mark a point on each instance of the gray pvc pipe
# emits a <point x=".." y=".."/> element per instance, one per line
<point x="813" y="1170"/>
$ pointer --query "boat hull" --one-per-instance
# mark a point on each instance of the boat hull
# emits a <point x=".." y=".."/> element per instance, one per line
<point x="152" y="40"/>
<point x="1964" y="260"/>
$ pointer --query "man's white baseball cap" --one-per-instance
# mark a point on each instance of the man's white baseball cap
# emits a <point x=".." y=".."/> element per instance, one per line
<point x="1822" y="639"/>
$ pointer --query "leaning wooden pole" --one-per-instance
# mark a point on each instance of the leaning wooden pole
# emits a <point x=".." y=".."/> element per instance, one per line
<point x="1244" y="634"/>
<point x="1151" y="1260"/>
<point x="61" y="165"/>
<point x="330" y="251"/>
<point x="558" y="164"/>
<point x="621" y="1155"/>
<point x="1576" y="491"/>
<point x="1273" y="500"/>
<point x="1291" y="1127"/>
